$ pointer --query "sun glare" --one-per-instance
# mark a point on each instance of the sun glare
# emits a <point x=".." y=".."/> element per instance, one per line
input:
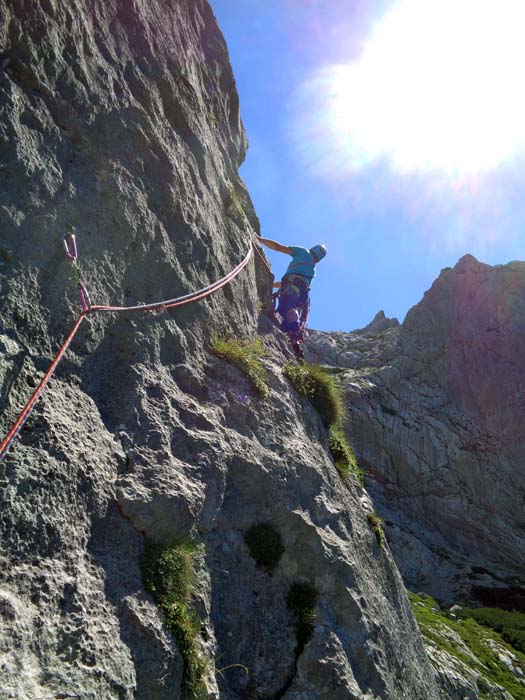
<point x="439" y="85"/>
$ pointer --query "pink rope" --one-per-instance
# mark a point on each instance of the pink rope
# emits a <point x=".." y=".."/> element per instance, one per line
<point x="72" y="254"/>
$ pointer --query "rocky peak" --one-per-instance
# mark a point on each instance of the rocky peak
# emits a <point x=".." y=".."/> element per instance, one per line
<point x="468" y="263"/>
<point x="378" y="324"/>
<point x="471" y="327"/>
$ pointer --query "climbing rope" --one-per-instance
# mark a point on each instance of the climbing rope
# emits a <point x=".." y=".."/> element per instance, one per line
<point x="26" y="411"/>
<point x="72" y="255"/>
<point x="262" y="258"/>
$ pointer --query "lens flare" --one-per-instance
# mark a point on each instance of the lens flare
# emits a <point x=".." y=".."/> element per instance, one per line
<point x="437" y="87"/>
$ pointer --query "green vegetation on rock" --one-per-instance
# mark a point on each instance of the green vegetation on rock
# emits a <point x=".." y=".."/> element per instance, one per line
<point x="265" y="545"/>
<point x="168" y="575"/>
<point x="301" y="600"/>
<point x="510" y="624"/>
<point x="478" y="646"/>
<point x="344" y="456"/>
<point x="246" y="355"/>
<point x="376" y="523"/>
<point x="234" y="202"/>
<point x="320" y="388"/>
<point x="324" y="393"/>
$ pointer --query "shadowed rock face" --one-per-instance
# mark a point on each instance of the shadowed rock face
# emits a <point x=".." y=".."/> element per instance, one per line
<point x="436" y="413"/>
<point x="121" y="118"/>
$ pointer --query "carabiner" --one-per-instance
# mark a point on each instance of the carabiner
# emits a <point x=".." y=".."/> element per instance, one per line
<point x="71" y="253"/>
<point x="84" y="297"/>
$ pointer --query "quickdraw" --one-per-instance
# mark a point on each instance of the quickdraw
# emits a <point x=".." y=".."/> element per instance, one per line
<point x="70" y="245"/>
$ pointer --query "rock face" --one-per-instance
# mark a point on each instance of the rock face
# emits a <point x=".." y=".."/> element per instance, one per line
<point x="121" y="118"/>
<point x="436" y="414"/>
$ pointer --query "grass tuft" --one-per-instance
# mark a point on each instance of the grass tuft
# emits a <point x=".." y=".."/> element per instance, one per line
<point x="265" y="545"/>
<point x="313" y="382"/>
<point x="168" y="575"/>
<point x="344" y="457"/>
<point x="301" y="600"/>
<point x="324" y="393"/>
<point x="376" y="523"/>
<point x="246" y="355"/>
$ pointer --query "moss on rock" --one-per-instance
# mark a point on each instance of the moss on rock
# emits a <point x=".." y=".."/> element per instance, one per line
<point x="265" y="545"/>
<point x="168" y="575"/>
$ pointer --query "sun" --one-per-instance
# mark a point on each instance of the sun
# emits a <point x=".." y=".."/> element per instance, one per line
<point x="439" y="85"/>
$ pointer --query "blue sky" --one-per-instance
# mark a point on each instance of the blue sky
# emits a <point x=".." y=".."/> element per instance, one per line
<point x="388" y="232"/>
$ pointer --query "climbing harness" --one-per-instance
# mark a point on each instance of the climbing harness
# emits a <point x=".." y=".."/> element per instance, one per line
<point x="70" y="247"/>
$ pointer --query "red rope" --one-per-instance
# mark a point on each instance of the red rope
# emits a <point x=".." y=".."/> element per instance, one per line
<point x="24" y="415"/>
<point x="168" y="304"/>
<point x="187" y="298"/>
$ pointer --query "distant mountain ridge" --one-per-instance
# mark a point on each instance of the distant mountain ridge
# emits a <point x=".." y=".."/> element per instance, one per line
<point x="436" y="411"/>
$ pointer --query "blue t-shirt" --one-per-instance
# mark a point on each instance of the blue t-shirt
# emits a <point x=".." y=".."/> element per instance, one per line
<point x="302" y="264"/>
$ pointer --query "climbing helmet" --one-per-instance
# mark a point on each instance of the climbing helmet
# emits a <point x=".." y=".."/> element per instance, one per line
<point x="319" y="251"/>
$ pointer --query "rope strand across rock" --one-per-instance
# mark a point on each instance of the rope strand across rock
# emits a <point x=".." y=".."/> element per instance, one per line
<point x="87" y="308"/>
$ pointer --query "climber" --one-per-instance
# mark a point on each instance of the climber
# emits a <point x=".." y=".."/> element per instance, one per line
<point x="294" y="288"/>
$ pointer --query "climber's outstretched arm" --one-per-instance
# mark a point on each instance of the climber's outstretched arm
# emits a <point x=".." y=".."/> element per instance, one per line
<point x="275" y="246"/>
